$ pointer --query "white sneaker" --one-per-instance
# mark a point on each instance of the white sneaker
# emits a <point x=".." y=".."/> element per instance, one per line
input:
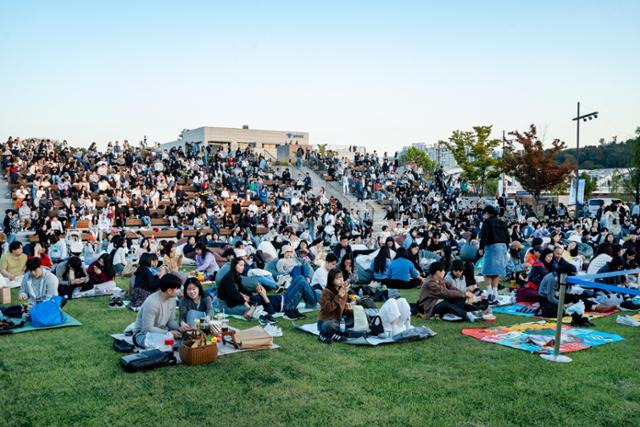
<point x="471" y="317"/>
<point x="449" y="317"/>
<point x="626" y="320"/>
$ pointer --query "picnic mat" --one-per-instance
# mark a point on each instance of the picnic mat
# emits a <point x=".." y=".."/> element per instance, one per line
<point x="513" y="311"/>
<point x="538" y="337"/>
<point x="224" y="349"/>
<point x="28" y="327"/>
<point x="312" y="328"/>
<point x="301" y="308"/>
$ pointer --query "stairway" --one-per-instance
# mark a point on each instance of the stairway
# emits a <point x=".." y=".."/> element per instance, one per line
<point x="334" y="189"/>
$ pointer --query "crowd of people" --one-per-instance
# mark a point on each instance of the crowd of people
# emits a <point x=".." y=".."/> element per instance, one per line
<point x="310" y="250"/>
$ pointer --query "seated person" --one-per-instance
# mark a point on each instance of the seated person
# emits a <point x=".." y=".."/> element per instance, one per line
<point x="549" y="300"/>
<point x="119" y="254"/>
<point x="195" y="303"/>
<point x="402" y="273"/>
<point x="206" y="261"/>
<point x="173" y="260"/>
<point x="613" y="298"/>
<point x="72" y="277"/>
<point x="333" y="306"/>
<point x="158" y="312"/>
<point x="234" y="299"/>
<point x="439" y="297"/>
<point x="456" y="275"/>
<point x="146" y="281"/>
<point x="57" y="249"/>
<point x="101" y="274"/>
<point x="38" y="283"/>
<point x="13" y="264"/>
<point x="540" y="268"/>
<point x="380" y="264"/>
<point x="516" y="270"/>
<point x="40" y="251"/>
<point x="320" y="276"/>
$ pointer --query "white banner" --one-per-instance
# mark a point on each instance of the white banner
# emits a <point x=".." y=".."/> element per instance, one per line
<point x="572" y="192"/>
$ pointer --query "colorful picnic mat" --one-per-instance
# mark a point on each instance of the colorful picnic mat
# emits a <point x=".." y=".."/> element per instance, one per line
<point x="28" y="327"/>
<point x="539" y="337"/>
<point x="526" y="309"/>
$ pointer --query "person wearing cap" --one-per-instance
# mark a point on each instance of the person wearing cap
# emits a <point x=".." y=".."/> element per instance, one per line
<point x="494" y="238"/>
<point x="514" y="267"/>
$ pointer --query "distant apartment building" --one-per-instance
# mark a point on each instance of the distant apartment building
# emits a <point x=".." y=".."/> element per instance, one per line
<point x="439" y="153"/>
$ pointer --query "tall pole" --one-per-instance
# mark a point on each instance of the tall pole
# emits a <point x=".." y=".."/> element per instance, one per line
<point x="577" y="157"/>
<point x="504" y="178"/>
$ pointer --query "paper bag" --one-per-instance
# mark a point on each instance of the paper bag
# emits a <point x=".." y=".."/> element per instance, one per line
<point x="254" y="338"/>
<point x="5" y="295"/>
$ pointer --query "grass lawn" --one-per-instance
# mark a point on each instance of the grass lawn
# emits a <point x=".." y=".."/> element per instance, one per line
<point x="72" y="376"/>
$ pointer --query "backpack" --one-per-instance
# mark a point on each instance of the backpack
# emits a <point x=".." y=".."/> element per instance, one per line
<point x="48" y="313"/>
<point x="375" y="326"/>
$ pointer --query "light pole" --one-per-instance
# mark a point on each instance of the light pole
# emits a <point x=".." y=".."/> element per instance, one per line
<point x="577" y="118"/>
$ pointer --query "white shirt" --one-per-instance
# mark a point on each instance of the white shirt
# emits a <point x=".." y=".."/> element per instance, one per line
<point x="320" y="277"/>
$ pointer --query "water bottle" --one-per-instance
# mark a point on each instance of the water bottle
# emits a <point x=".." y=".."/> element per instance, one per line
<point x="360" y="293"/>
<point x="343" y="325"/>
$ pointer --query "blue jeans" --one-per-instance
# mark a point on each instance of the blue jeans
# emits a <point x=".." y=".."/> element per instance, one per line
<point x="237" y="310"/>
<point x="303" y="270"/>
<point x="267" y="281"/>
<point x="328" y="325"/>
<point x="299" y="289"/>
<point x="10" y="238"/>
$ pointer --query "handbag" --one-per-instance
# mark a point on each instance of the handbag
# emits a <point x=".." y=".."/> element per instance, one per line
<point x="375" y="325"/>
<point x="146" y="360"/>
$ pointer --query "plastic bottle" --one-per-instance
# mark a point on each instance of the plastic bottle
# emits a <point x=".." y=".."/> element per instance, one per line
<point x="360" y="294"/>
<point x="343" y="325"/>
<point x="169" y="340"/>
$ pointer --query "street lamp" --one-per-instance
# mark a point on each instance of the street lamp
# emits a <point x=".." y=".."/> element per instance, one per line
<point x="577" y="118"/>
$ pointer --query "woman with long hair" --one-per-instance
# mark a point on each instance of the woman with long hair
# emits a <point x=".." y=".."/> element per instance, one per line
<point x="380" y="264"/>
<point x="333" y="306"/>
<point x="102" y="274"/>
<point x="72" y="278"/>
<point x="145" y="281"/>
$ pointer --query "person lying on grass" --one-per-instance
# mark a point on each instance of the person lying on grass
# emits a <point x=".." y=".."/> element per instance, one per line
<point x="158" y="312"/>
<point x="333" y="306"/>
<point x="439" y="297"/>
<point x="38" y="283"/>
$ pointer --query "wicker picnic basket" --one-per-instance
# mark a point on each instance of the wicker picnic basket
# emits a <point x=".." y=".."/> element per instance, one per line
<point x="196" y="350"/>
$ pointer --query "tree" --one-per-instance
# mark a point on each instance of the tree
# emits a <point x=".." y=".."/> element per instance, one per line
<point x="532" y="165"/>
<point x="473" y="151"/>
<point x="419" y="157"/>
<point x="627" y="181"/>
<point x="590" y="184"/>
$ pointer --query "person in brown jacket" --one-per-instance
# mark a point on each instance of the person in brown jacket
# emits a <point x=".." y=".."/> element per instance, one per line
<point x="333" y="306"/>
<point x="439" y="297"/>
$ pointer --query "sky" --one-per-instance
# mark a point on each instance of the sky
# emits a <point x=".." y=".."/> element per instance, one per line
<point x="378" y="74"/>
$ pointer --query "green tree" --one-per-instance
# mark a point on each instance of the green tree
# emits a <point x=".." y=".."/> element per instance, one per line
<point x="473" y="151"/>
<point x="419" y="157"/>
<point x="627" y="181"/>
<point x="491" y="187"/>
<point x="590" y="184"/>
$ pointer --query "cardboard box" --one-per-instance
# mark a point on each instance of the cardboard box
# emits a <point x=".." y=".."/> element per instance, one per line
<point x="5" y="295"/>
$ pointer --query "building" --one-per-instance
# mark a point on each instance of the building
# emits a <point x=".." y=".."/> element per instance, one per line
<point x="262" y="141"/>
<point x="439" y="153"/>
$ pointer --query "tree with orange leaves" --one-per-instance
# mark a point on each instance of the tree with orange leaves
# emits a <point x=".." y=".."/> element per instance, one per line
<point x="533" y="165"/>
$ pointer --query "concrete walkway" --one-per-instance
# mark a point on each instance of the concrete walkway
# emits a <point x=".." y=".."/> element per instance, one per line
<point x="334" y="189"/>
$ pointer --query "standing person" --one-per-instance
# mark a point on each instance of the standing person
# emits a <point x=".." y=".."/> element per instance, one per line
<point x="494" y="238"/>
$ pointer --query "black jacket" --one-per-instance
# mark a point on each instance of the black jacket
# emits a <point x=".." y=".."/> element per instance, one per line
<point x="229" y="291"/>
<point x="493" y="230"/>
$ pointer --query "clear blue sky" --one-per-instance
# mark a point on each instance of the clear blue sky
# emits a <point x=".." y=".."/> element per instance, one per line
<point x="379" y="74"/>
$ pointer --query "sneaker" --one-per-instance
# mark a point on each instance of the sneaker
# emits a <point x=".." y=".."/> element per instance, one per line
<point x="337" y="338"/>
<point x="267" y="319"/>
<point x="626" y="320"/>
<point x="116" y="302"/>
<point x="293" y="315"/>
<point x="471" y="317"/>
<point x="449" y="317"/>
<point x="325" y="338"/>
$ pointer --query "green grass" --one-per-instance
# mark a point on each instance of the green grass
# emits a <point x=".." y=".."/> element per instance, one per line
<point x="72" y="376"/>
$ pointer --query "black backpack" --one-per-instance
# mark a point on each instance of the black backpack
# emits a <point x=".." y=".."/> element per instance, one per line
<point x="375" y="326"/>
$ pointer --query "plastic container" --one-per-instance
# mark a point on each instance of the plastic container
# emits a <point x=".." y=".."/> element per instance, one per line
<point x="343" y="325"/>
